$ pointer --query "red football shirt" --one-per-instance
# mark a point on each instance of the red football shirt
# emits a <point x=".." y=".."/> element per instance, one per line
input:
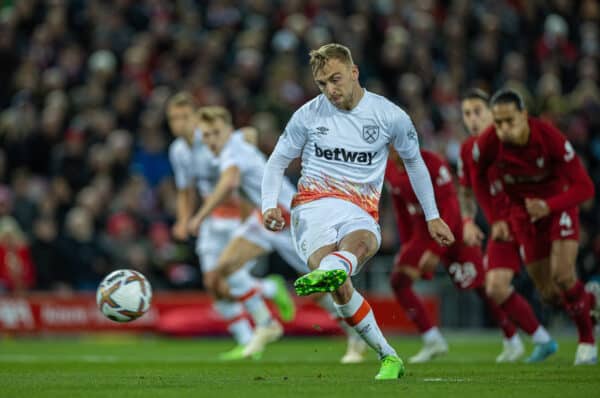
<point x="492" y="201"/>
<point x="546" y="167"/>
<point x="407" y="210"/>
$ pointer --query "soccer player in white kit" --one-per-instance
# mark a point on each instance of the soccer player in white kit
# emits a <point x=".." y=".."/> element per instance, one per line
<point x="192" y="162"/>
<point x="342" y="137"/>
<point x="241" y="167"/>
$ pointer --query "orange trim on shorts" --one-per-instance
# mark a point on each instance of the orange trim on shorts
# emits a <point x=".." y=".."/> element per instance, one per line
<point x="360" y="314"/>
<point x="248" y="295"/>
<point x="226" y="211"/>
<point x="346" y="260"/>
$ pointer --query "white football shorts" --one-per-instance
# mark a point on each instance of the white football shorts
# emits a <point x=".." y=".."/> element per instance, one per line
<point x="215" y="234"/>
<point x="326" y="221"/>
<point x="253" y="230"/>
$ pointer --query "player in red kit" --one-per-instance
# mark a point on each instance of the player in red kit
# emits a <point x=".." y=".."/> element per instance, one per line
<point x="420" y="254"/>
<point x="544" y="182"/>
<point x="502" y="260"/>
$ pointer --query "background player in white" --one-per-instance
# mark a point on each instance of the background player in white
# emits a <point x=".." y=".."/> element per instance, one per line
<point x="343" y="137"/>
<point x="241" y="166"/>
<point x="193" y="164"/>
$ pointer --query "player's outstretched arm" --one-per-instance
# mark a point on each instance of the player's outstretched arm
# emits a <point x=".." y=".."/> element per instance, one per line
<point x="420" y="180"/>
<point x="270" y="188"/>
<point x="184" y="204"/>
<point x="228" y="182"/>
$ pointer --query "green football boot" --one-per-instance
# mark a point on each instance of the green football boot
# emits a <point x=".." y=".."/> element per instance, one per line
<point x="391" y="368"/>
<point x="237" y="354"/>
<point x="282" y="299"/>
<point x="320" y="281"/>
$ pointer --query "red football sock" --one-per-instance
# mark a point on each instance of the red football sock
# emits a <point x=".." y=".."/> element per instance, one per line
<point x="501" y="318"/>
<point x="521" y="313"/>
<point x="412" y="304"/>
<point x="577" y="305"/>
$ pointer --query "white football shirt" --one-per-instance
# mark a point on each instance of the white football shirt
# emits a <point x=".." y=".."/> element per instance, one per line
<point x="251" y="162"/>
<point x="196" y="163"/>
<point x="344" y="153"/>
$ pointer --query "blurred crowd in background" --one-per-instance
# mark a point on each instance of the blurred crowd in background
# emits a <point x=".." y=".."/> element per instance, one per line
<point x="85" y="182"/>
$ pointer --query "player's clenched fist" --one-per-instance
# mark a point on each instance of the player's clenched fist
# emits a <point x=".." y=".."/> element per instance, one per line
<point x="273" y="219"/>
<point x="537" y="208"/>
<point x="440" y="232"/>
<point x="501" y="231"/>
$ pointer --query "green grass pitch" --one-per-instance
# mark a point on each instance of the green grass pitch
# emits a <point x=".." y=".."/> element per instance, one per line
<point x="153" y="367"/>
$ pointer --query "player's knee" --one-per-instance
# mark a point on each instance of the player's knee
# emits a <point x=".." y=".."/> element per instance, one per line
<point x="551" y="296"/>
<point x="564" y="280"/>
<point x="228" y="266"/>
<point x="497" y="290"/>
<point x="400" y="280"/>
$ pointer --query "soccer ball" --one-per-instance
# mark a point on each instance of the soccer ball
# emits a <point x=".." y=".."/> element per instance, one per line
<point x="124" y="295"/>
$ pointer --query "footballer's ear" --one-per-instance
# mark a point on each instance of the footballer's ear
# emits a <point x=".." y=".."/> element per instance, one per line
<point x="355" y="72"/>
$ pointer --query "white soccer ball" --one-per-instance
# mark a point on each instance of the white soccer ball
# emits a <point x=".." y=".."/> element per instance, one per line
<point x="124" y="295"/>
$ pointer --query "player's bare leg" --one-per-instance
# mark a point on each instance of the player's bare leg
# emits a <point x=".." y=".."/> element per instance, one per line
<point x="576" y="301"/>
<point x="543" y="281"/>
<point x="332" y="260"/>
<point x="237" y="253"/>
<point x="434" y="344"/>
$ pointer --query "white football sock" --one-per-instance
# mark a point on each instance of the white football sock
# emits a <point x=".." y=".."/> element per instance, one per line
<point x="540" y="336"/>
<point x="358" y="313"/>
<point x="341" y="259"/>
<point x="238" y="324"/>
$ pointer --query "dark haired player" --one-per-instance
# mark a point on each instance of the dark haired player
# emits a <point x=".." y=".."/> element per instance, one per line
<point x="544" y="182"/>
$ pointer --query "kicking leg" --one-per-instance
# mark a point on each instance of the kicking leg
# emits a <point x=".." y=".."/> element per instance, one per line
<point x="354" y="250"/>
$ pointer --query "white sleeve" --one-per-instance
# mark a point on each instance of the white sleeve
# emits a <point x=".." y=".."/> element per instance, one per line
<point x="180" y="164"/>
<point x="227" y="159"/>
<point x="294" y="137"/>
<point x="289" y="147"/>
<point x="404" y="134"/>
<point x="421" y="183"/>
<point x="406" y="143"/>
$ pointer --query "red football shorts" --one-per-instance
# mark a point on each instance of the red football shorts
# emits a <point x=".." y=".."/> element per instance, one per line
<point x="500" y="254"/>
<point x="463" y="263"/>
<point x="535" y="239"/>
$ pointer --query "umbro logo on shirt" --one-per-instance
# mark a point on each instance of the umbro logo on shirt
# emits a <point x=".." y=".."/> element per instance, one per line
<point x="321" y="130"/>
<point x="342" y="155"/>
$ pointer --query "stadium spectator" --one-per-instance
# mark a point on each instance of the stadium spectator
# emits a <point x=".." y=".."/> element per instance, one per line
<point x="17" y="271"/>
<point x="78" y="72"/>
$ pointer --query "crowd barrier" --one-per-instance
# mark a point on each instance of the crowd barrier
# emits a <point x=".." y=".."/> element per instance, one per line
<point x="175" y="314"/>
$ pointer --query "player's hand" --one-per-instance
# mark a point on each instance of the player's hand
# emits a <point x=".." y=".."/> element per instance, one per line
<point x="428" y="261"/>
<point x="472" y="235"/>
<point x="194" y="225"/>
<point x="537" y="208"/>
<point x="180" y="231"/>
<point x="273" y="219"/>
<point x="440" y="232"/>
<point x="501" y="231"/>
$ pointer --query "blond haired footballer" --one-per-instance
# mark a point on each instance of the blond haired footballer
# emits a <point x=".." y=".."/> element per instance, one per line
<point x="342" y="137"/>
